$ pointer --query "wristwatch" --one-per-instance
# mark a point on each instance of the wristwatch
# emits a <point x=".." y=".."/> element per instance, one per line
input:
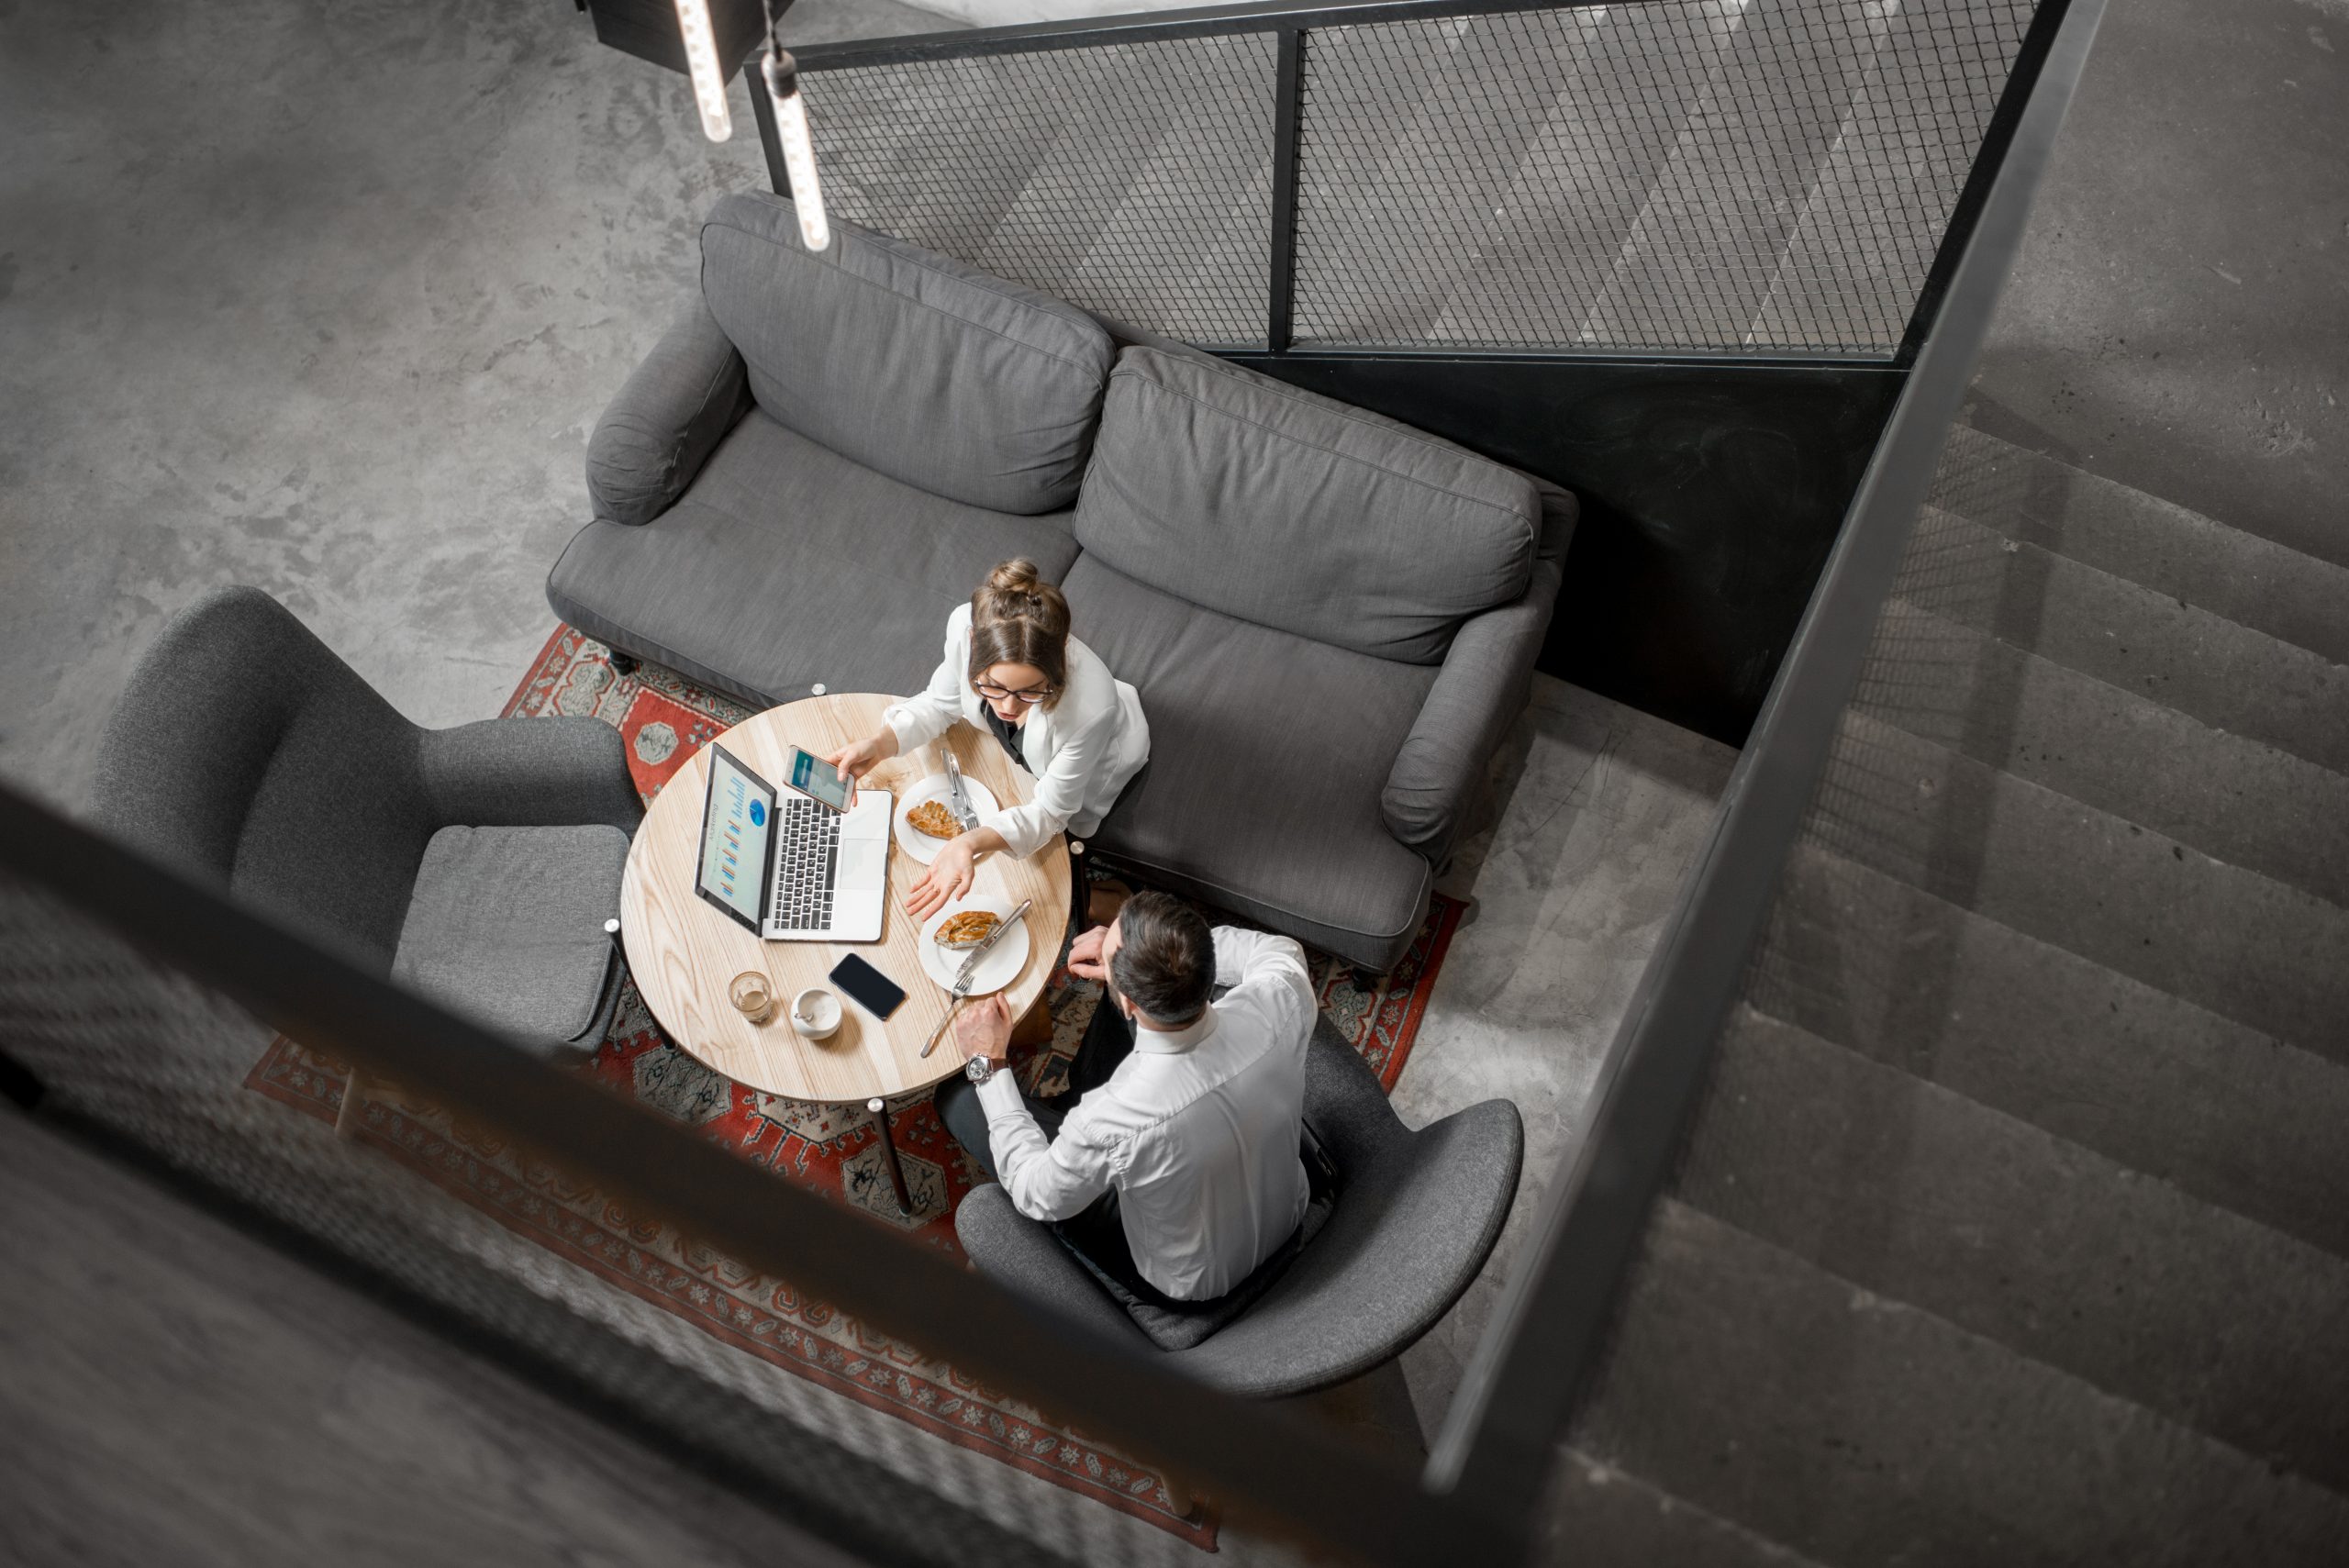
<point x="978" y="1069"/>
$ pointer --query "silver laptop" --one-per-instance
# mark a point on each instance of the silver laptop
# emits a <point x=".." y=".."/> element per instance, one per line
<point x="788" y="865"/>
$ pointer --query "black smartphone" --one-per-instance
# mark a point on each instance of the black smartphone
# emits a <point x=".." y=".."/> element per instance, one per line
<point x="867" y="986"/>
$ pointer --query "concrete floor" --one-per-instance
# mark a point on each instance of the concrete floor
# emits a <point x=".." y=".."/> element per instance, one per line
<point x="335" y="320"/>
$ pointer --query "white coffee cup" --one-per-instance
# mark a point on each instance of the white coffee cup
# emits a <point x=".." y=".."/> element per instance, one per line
<point x="816" y="1013"/>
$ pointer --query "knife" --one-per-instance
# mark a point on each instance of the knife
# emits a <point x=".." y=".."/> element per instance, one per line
<point x="958" y="801"/>
<point x="970" y="969"/>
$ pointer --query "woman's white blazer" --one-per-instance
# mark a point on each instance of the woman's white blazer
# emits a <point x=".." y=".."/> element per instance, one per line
<point x="1083" y="748"/>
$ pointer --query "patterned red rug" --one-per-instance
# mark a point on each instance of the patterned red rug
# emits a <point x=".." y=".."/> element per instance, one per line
<point x="833" y="1148"/>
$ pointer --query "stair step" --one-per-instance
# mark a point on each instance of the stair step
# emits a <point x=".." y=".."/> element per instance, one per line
<point x="2231" y="798"/>
<point x="1699" y="265"/>
<point x="2144" y="539"/>
<point x="1628" y="77"/>
<point x="1828" y="291"/>
<point x="2095" y="1058"/>
<point x="1859" y="1430"/>
<point x="2225" y="675"/>
<point x="2240" y="944"/>
<point x="1922" y="1195"/>
<point x="1600" y="1514"/>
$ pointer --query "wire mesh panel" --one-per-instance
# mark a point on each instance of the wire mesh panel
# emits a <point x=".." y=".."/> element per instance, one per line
<point x="1134" y="180"/>
<point x="1708" y="175"/>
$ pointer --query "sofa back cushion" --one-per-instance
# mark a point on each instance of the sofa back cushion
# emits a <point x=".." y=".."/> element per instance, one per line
<point x="1298" y="512"/>
<point x="908" y="362"/>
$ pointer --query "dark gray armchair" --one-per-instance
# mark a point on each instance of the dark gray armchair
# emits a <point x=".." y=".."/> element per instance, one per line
<point x="1415" y="1217"/>
<point x="477" y="864"/>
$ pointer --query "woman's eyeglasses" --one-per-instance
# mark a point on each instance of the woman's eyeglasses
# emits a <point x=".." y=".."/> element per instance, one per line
<point x="1004" y="693"/>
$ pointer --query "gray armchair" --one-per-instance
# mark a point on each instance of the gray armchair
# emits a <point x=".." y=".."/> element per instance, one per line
<point x="476" y="864"/>
<point x="1415" y="1214"/>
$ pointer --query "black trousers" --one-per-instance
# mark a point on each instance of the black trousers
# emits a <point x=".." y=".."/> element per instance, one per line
<point x="1095" y="1233"/>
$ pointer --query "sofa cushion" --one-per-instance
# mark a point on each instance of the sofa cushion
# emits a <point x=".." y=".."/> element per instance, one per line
<point x="506" y="926"/>
<point x="1267" y="754"/>
<point x="1232" y="491"/>
<point x="785" y="565"/>
<point x="908" y="361"/>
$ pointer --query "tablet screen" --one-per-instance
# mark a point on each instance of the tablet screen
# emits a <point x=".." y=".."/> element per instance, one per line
<point x="813" y="776"/>
<point x="734" y="828"/>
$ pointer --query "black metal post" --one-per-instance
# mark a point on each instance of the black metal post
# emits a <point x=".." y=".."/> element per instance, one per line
<point x="770" y="138"/>
<point x="879" y="1109"/>
<point x="1289" y="81"/>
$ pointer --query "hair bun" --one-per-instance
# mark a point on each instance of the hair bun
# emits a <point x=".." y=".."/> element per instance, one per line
<point x="1017" y="575"/>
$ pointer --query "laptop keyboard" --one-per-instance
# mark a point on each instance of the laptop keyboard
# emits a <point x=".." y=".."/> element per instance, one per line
<point x="807" y="855"/>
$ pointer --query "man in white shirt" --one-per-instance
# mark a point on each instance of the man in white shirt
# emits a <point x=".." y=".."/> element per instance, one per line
<point x="1176" y="1171"/>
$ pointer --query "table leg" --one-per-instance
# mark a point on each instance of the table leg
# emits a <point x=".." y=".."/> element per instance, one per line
<point x="880" y="1110"/>
<point x="354" y="1092"/>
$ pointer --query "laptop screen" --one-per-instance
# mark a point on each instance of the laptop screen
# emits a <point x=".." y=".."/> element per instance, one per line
<point x="734" y="828"/>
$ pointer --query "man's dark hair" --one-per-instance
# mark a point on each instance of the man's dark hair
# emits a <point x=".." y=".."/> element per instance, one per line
<point x="1166" y="963"/>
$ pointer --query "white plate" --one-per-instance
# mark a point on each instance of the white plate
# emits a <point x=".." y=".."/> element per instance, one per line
<point x="920" y="845"/>
<point x="998" y="968"/>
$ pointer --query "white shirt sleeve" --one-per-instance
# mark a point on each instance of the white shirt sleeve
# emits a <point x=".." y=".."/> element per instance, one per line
<point x="1266" y="972"/>
<point x="1060" y="794"/>
<point x="921" y="718"/>
<point x="1047" y="1180"/>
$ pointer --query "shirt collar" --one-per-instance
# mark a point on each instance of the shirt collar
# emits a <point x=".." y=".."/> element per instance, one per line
<point x="1173" y="1042"/>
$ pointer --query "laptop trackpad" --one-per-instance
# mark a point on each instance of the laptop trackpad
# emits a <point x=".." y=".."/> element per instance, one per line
<point x="863" y="863"/>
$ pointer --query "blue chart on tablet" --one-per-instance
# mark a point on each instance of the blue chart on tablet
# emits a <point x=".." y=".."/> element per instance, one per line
<point x="734" y="828"/>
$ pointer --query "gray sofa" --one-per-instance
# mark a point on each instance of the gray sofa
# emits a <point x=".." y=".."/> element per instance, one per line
<point x="1331" y="617"/>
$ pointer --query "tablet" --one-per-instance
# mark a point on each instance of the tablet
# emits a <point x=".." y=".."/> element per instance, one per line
<point x="819" y="781"/>
<point x="737" y="838"/>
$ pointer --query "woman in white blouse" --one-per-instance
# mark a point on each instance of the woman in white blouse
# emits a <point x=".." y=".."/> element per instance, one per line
<point x="1011" y="669"/>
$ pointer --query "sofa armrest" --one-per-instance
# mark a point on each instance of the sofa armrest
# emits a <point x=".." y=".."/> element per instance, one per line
<point x="1486" y="677"/>
<point x="667" y="419"/>
<point x="529" y="773"/>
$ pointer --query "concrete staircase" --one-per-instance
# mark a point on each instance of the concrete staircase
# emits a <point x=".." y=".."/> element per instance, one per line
<point x="2014" y="1227"/>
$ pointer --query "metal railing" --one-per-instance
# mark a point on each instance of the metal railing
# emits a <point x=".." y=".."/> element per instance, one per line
<point x="1748" y="178"/>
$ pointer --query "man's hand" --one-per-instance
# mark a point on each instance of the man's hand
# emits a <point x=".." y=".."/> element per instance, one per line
<point x="1084" y="957"/>
<point x="984" y="1030"/>
<point x="949" y="877"/>
<point x="855" y="761"/>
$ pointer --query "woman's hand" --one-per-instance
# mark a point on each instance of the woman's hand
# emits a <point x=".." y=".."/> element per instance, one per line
<point x="948" y="878"/>
<point x="855" y="761"/>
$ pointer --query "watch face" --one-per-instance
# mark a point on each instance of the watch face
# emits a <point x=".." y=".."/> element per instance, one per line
<point x="977" y="1071"/>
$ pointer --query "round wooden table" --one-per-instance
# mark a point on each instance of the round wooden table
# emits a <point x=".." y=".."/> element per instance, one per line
<point x="683" y="953"/>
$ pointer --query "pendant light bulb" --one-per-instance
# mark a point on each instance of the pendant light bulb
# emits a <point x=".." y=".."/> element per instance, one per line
<point x="701" y="60"/>
<point x="781" y="75"/>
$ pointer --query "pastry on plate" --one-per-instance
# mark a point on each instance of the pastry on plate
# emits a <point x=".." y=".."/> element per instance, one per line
<point x="932" y="819"/>
<point x="962" y="930"/>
